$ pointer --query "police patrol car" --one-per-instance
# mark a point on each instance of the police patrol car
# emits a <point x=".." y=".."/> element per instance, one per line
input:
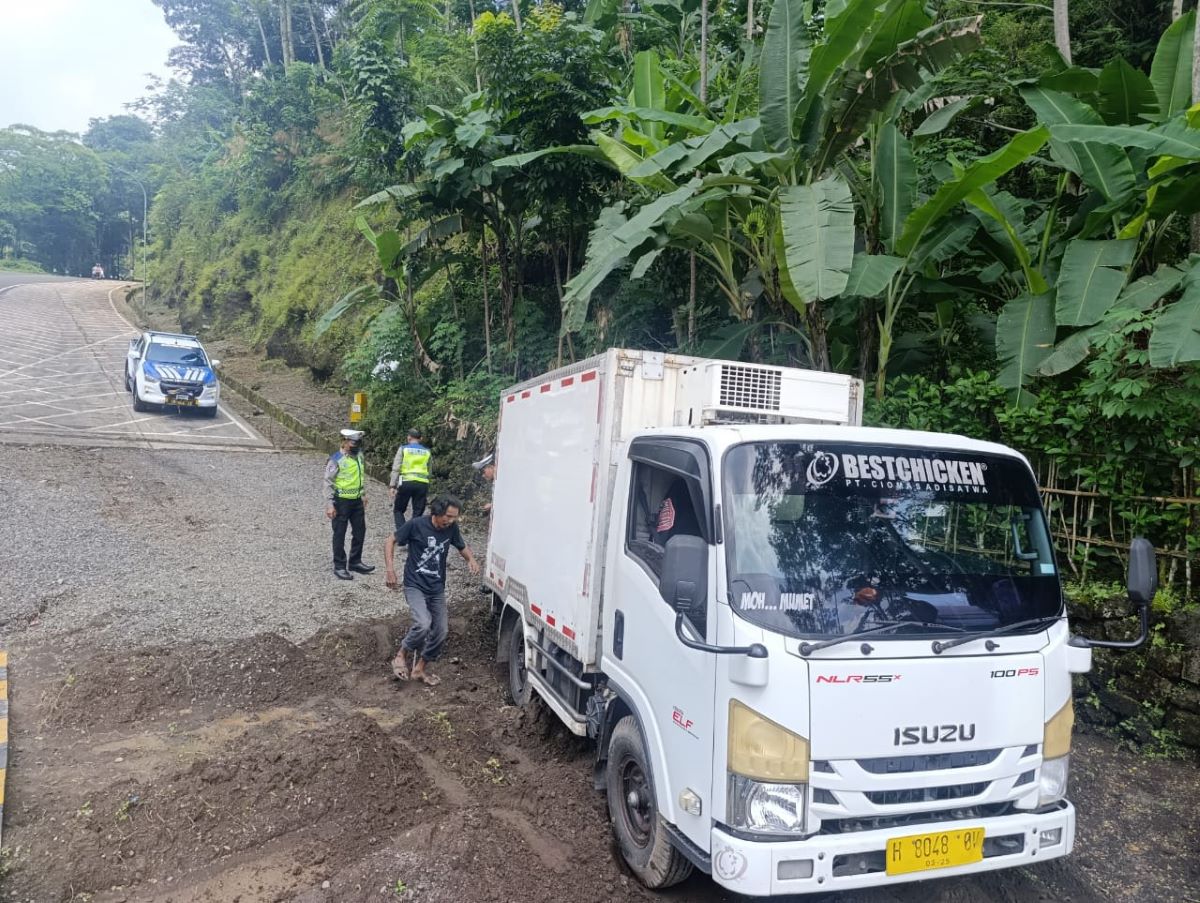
<point x="167" y="369"/>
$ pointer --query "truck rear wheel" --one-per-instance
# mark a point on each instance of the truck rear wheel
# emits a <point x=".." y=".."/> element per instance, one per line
<point x="518" y="680"/>
<point x="633" y="809"/>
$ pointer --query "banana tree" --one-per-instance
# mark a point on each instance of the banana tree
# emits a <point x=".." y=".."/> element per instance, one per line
<point x="765" y="202"/>
<point x="1129" y="145"/>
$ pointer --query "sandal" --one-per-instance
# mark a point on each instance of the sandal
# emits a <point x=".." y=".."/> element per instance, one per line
<point x="400" y="667"/>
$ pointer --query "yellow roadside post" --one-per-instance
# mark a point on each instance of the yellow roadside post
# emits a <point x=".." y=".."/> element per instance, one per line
<point x="358" y="409"/>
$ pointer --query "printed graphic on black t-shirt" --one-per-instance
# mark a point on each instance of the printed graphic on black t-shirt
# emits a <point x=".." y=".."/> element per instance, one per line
<point x="428" y="549"/>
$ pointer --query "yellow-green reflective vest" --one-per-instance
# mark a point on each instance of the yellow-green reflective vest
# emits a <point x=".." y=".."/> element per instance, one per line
<point x="414" y="464"/>
<point x="349" y="480"/>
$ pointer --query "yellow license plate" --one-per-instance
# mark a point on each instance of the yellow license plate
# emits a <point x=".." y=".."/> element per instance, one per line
<point x="944" y="849"/>
<point x="183" y="401"/>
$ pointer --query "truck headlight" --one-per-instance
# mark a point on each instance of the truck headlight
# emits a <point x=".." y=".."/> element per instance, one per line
<point x="1056" y="758"/>
<point x="1052" y="782"/>
<point x="768" y="780"/>
<point x="766" y="808"/>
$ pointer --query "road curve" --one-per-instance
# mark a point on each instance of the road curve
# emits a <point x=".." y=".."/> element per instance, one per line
<point x="62" y="358"/>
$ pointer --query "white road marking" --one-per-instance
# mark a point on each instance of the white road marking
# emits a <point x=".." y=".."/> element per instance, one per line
<point x="63" y="376"/>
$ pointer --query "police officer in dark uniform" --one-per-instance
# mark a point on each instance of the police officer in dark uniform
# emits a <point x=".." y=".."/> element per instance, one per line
<point x="346" y="503"/>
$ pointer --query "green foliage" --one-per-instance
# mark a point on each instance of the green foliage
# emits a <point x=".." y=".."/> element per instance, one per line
<point x="901" y="189"/>
<point x="1124" y="430"/>
<point x="48" y="189"/>
<point x="20" y="265"/>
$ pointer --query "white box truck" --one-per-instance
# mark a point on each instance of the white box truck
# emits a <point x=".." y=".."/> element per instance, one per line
<point x="813" y="656"/>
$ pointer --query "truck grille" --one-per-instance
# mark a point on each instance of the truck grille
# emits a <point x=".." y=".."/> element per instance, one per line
<point x="753" y="388"/>
<point x="939" y="762"/>
<point x="925" y="794"/>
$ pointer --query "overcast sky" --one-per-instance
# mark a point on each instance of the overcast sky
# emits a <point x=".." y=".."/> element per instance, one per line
<point x="63" y="62"/>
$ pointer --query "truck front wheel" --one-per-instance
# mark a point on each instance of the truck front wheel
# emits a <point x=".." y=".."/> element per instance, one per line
<point x="518" y="679"/>
<point x="633" y="809"/>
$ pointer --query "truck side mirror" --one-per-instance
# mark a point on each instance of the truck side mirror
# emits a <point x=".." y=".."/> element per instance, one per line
<point x="684" y="580"/>
<point x="1142" y="584"/>
<point x="1143" y="573"/>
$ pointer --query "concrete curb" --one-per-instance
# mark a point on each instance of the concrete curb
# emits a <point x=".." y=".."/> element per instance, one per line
<point x="318" y="438"/>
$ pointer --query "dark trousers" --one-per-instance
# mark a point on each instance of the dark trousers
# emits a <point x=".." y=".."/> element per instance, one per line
<point x="405" y="493"/>
<point x="348" y="511"/>
<point x="430" y="623"/>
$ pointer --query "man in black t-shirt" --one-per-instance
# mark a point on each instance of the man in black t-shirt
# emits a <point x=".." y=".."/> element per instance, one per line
<point x="428" y="539"/>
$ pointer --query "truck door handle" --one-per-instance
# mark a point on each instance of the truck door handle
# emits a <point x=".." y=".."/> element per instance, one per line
<point x="619" y="633"/>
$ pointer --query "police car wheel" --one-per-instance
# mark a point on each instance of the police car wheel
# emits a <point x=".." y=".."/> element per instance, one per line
<point x="139" y="405"/>
<point x="209" y="412"/>
<point x="127" y="388"/>
<point x="633" y="810"/>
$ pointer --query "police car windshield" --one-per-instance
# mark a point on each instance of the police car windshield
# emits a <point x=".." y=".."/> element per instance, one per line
<point x="162" y="353"/>
<point x="827" y="540"/>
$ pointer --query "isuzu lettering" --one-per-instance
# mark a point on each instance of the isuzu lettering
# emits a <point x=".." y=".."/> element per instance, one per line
<point x="813" y="656"/>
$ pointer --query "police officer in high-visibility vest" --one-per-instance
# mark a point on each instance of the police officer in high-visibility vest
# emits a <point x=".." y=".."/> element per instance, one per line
<point x="410" y="477"/>
<point x="346" y="503"/>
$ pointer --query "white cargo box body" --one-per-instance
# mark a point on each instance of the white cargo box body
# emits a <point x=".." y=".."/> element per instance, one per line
<point x="560" y="439"/>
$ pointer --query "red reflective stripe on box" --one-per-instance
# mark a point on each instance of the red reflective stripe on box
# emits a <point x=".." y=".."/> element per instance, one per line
<point x="537" y="611"/>
<point x="550" y="620"/>
<point x="546" y="387"/>
<point x="512" y="398"/>
<point x="588" y="377"/>
<point x="569" y="381"/>
<point x="525" y="394"/>
<point x="568" y="633"/>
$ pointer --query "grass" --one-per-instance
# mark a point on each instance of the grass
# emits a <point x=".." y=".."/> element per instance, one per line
<point x="19" y="265"/>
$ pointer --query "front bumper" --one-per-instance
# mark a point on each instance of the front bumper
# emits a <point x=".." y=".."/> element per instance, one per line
<point x="753" y="867"/>
<point x="207" y="399"/>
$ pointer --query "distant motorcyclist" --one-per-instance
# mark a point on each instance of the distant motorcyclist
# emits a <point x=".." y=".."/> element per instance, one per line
<point x="97" y="271"/>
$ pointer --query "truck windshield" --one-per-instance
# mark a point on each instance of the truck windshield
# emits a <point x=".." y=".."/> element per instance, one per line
<point x="831" y="539"/>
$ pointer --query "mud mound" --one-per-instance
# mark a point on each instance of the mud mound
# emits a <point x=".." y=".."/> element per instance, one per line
<point x="120" y="688"/>
<point x="343" y="787"/>
<point x="364" y="645"/>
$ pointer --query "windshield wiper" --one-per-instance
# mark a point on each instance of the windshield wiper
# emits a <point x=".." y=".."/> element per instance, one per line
<point x="809" y="648"/>
<point x="939" y="647"/>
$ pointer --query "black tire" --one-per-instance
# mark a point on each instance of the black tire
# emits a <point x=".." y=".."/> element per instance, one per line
<point x="210" y="413"/>
<point x="127" y="389"/>
<point x="138" y="405"/>
<point x="633" y="810"/>
<point x="519" y="689"/>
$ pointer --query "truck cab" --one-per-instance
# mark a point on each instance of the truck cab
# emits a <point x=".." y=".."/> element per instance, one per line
<point x="814" y="656"/>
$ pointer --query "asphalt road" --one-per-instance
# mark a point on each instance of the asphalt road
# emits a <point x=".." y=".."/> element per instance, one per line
<point x="62" y="358"/>
<point x="8" y="279"/>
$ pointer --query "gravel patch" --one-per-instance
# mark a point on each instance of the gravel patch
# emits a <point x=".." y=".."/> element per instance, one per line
<point x="115" y="546"/>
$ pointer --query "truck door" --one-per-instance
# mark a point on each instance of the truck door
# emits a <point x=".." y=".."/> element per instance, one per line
<point x="672" y="686"/>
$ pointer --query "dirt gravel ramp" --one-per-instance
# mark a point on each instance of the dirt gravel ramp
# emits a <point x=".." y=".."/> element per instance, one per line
<point x="310" y="786"/>
<point x="156" y="682"/>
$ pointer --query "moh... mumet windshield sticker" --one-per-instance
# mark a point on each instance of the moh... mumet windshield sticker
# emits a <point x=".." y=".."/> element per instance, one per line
<point x="762" y="601"/>
<point x="896" y="472"/>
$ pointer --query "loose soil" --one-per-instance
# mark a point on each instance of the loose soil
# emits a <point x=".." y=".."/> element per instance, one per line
<point x="262" y="770"/>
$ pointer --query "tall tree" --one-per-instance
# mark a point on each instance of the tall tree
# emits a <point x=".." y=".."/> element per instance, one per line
<point x="1062" y="28"/>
